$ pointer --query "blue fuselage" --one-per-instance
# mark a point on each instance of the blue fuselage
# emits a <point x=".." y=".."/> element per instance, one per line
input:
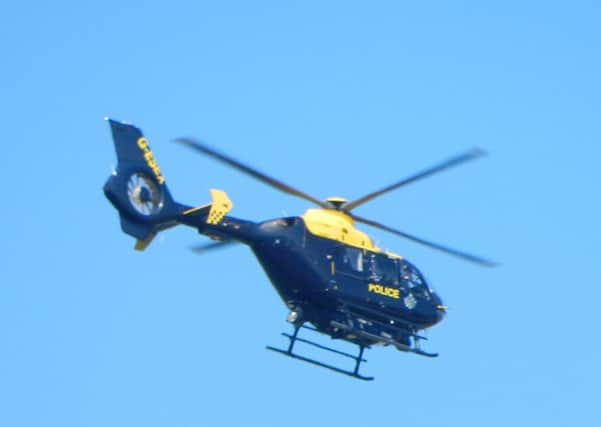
<point x="327" y="277"/>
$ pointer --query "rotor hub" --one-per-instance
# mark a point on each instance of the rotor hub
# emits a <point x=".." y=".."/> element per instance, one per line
<point x="337" y="202"/>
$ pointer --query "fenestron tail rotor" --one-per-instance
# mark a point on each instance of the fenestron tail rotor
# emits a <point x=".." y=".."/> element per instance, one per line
<point x="341" y="205"/>
<point x="143" y="194"/>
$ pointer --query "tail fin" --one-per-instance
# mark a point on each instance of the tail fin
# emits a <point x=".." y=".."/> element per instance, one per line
<point x="137" y="188"/>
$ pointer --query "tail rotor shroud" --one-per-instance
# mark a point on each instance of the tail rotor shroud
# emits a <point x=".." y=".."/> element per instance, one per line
<point x="137" y="188"/>
<point x="144" y="194"/>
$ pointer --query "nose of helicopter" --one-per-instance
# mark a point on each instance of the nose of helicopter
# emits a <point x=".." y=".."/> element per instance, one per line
<point x="441" y="309"/>
<point x="441" y="312"/>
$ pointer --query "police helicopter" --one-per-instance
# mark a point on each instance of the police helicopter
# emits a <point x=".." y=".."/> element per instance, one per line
<point x="330" y="275"/>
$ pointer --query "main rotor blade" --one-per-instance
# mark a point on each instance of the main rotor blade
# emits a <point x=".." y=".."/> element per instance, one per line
<point x="460" y="254"/>
<point x="457" y="160"/>
<point x="204" y="149"/>
<point x="208" y="247"/>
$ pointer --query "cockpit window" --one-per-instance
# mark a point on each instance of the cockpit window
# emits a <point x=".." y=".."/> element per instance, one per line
<point x="412" y="278"/>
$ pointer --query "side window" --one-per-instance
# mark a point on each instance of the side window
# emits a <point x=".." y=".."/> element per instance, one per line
<point x="392" y="271"/>
<point x="354" y="257"/>
<point x="384" y="269"/>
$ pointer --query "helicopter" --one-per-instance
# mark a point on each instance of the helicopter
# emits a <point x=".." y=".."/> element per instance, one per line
<point x="330" y="275"/>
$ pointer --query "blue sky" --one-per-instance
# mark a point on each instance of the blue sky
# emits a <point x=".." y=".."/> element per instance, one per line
<point x="337" y="98"/>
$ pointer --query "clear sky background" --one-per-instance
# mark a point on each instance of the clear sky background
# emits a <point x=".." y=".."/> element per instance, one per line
<point x="337" y="98"/>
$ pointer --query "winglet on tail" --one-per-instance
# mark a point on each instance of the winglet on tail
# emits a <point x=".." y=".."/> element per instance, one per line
<point x="220" y="205"/>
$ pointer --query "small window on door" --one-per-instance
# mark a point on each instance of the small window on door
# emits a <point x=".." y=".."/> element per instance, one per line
<point x="354" y="257"/>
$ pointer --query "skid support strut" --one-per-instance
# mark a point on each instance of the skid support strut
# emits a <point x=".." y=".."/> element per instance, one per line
<point x="294" y="338"/>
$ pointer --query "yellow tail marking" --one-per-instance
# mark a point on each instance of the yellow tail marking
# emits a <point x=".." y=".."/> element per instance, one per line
<point x="149" y="159"/>
<point x="220" y="206"/>
<point x="141" y="245"/>
<point x="191" y="211"/>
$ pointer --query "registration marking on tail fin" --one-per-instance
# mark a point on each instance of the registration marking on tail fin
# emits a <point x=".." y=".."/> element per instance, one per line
<point x="149" y="159"/>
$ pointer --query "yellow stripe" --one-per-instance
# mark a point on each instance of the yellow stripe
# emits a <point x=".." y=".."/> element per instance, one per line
<point x="220" y="206"/>
<point x="191" y="211"/>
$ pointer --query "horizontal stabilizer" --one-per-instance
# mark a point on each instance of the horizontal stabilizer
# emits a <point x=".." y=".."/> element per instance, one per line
<point x="220" y="205"/>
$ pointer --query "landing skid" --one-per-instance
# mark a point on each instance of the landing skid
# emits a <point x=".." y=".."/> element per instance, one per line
<point x="294" y="338"/>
